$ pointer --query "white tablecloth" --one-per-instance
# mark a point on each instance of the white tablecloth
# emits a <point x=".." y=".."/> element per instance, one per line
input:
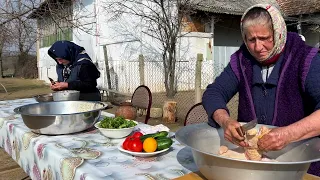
<point x="86" y="155"/>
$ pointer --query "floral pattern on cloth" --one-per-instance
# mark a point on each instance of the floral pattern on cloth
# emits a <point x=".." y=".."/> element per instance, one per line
<point x="85" y="156"/>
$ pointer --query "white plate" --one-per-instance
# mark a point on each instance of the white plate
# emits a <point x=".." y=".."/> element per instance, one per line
<point x="141" y="154"/>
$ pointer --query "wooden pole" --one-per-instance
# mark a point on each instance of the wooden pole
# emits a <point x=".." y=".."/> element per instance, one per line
<point x="141" y="69"/>
<point x="197" y="83"/>
<point x="107" y="66"/>
<point x="107" y="70"/>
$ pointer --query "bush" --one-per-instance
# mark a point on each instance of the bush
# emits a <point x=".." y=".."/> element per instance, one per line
<point x="26" y="67"/>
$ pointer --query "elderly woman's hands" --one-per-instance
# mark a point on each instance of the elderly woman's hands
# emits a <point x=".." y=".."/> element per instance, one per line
<point x="58" y="86"/>
<point x="276" y="139"/>
<point x="231" y="134"/>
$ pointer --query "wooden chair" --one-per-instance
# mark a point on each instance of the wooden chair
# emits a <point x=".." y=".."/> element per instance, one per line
<point x="142" y="99"/>
<point x="196" y="114"/>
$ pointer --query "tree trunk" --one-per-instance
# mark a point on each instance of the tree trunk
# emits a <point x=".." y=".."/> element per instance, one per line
<point x="169" y="69"/>
<point x="169" y="111"/>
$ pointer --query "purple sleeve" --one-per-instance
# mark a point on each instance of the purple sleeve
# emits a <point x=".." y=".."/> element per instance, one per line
<point x="219" y="93"/>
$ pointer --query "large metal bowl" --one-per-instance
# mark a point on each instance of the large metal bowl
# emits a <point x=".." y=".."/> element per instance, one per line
<point x="291" y="163"/>
<point x="63" y="117"/>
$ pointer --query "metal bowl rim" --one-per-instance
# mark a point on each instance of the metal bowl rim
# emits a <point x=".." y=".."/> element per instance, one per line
<point x="16" y="110"/>
<point x="42" y="95"/>
<point x="67" y="91"/>
<point x="246" y="161"/>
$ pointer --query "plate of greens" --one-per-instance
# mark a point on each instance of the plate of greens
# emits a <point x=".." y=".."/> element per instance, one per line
<point x="115" y="127"/>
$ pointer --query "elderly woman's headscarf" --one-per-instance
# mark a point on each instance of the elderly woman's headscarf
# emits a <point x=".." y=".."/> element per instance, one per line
<point x="279" y="28"/>
<point x="72" y="52"/>
<point x="69" y="51"/>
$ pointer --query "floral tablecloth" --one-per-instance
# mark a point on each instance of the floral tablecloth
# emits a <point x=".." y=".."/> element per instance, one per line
<point x="86" y="155"/>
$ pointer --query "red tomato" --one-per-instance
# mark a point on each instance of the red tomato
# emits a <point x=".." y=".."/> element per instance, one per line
<point x="135" y="145"/>
<point x="137" y="134"/>
<point x="126" y="142"/>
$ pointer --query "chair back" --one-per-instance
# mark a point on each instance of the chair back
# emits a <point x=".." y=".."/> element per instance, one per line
<point x="196" y="114"/>
<point x="142" y="99"/>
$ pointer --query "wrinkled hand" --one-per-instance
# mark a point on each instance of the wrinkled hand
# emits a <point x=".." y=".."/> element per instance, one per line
<point x="58" y="86"/>
<point x="276" y="139"/>
<point x="231" y="134"/>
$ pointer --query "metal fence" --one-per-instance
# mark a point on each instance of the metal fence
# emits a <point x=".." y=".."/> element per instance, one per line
<point x="125" y="78"/>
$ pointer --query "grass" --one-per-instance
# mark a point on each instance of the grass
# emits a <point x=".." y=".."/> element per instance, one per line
<point x="21" y="88"/>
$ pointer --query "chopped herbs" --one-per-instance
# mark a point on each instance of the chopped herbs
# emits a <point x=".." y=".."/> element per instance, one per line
<point x="116" y="123"/>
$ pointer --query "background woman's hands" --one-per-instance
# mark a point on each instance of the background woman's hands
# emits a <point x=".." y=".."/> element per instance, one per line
<point x="231" y="134"/>
<point x="58" y="86"/>
<point x="276" y="139"/>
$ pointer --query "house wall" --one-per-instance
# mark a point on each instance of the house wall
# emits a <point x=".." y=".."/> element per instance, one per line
<point x="312" y="37"/>
<point x="123" y="51"/>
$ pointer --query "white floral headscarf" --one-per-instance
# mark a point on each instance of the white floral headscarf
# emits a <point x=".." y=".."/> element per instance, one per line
<point x="279" y="28"/>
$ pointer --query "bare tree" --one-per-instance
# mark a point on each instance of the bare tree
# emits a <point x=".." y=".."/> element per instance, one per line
<point x="47" y="21"/>
<point x="22" y="33"/>
<point x="162" y="21"/>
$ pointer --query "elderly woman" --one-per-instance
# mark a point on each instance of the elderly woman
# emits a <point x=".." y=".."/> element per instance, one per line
<point x="75" y="70"/>
<point x="276" y="75"/>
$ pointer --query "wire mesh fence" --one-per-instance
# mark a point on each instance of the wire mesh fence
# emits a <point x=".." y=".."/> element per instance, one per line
<point x="125" y="77"/>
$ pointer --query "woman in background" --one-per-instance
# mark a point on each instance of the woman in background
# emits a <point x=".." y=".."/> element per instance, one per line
<point x="75" y="70"/>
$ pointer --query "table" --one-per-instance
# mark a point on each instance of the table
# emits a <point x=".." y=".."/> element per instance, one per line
<point x="86" y="155"/>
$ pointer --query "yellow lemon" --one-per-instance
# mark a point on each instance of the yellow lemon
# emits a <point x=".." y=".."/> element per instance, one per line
<point x="150" y="145"/>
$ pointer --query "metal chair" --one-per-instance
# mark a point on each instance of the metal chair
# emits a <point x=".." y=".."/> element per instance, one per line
<point x="196" y="114"/>
<point x="142" y="99"/>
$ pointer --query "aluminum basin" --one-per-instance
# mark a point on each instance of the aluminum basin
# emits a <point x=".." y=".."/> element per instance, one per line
<point x="291" y="163"/>
<point x="63" y="117"/>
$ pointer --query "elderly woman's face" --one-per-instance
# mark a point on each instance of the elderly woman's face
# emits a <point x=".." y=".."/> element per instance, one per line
<point x="62" y="61"/>
<point x="259" y="40"/>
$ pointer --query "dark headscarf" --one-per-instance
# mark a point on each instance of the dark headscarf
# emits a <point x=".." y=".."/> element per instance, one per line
<point x="69" y="51"/>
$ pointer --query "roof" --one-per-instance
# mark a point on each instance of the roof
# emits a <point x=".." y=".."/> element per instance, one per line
<point x="299" y="7"/>
<point x="290" y="9"/>
<point x="234" y="7"/>
<point x="45" y="6"/>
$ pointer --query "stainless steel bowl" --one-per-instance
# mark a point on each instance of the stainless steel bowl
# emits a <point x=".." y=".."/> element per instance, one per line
<point x="44" y="97"/>
<point x="63" y="117"/>
<point x="292" y="162"/>
<point x="66" y="95"/>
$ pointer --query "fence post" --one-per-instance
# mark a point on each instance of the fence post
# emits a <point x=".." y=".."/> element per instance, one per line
<point x="107" y="66"/>
<point x="141" y="69"/>
<point x="197" y="84"/>
<point x="106" y="61"/>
